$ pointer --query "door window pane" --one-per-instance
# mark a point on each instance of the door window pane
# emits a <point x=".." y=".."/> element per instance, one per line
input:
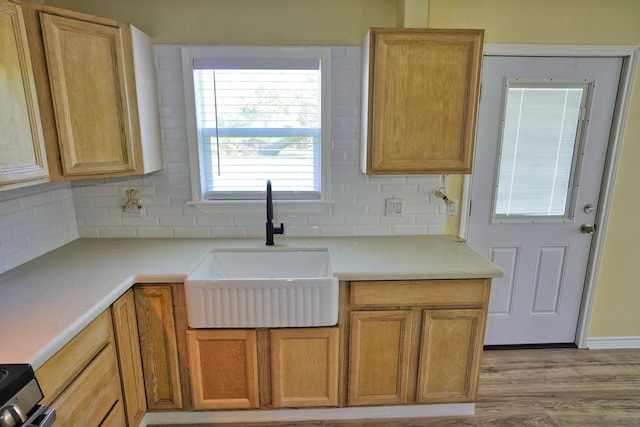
<point x="538" y="149"/>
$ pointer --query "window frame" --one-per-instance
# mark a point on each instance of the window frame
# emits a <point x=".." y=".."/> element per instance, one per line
<point x="271" y="53"/>
<point x="576" y="164"/>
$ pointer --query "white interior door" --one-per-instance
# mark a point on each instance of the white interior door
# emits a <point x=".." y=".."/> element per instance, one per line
<point x="543" y="129"/>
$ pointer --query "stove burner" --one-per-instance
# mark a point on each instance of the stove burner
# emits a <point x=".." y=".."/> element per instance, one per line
<point x="3" y="374"/>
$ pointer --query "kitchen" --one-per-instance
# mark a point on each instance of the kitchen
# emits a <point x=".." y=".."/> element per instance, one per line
<point x="44" y="217"/>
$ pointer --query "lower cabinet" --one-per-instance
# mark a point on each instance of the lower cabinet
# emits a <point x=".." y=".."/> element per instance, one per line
<point x="379" y="357"/>
<point x="158" y="346"/>
<point x="125" y="327"/>
<point x="304" y="367"/>
<point x="225" y="368"/>
<point x="81" y="380"/>
<point x="115" y="416"/>
<point x="396" y="343"/>
<point x="450" y="355"/>
<point x="415" y="341"/>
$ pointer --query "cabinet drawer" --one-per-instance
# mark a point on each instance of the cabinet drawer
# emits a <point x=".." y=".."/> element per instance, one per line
<point x="60" y="370"/>
<point x="92" y="395"/>
<point x="116" y="417"/>
<point x="467" y="293"/>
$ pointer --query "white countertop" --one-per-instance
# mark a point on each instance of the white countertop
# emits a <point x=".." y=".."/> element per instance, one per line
<point x="46" y="302"/>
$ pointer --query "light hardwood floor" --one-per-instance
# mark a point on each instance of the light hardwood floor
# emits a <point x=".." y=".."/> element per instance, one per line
<point x="559" y="387"/>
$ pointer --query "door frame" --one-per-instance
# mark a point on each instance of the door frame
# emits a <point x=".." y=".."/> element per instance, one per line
<point x="630" y="56"/>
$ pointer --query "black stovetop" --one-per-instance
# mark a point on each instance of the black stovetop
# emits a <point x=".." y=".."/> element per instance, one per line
<point x="12" y="379"/>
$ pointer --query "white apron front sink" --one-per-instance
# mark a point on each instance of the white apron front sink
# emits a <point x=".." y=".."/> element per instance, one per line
<point x="262" y="288"/>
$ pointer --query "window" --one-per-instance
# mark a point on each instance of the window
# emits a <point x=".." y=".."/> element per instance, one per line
<point x="539" y="150"/>
<point x="258" y="114"/>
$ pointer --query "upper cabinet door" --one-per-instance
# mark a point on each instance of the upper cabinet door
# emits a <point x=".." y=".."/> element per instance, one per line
<point x="420" y="92"/>
<point x="22" y="152"/>
<point x="86" y="63"/>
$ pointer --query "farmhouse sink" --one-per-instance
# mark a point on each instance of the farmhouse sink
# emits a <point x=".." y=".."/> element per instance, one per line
<point x="262" y="288"/>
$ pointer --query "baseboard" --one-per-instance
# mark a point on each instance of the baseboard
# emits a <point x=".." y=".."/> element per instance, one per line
<point x="620" y="343"/>
<point x="289" y="415"/>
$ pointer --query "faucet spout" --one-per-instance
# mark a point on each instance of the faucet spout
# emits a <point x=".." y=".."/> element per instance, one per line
<point x="271" y="230"/>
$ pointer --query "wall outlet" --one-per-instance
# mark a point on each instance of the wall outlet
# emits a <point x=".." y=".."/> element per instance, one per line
<point x="452" y="209"/>
<point x="132" y="210"/>
<point x="394" y="207"/>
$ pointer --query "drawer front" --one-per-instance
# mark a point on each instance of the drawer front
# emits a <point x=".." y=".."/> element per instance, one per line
<point x="92" y="395"/>
<point x="116" y="417"/>
<point x="58" y="371"/>
<point x="466" y="293"/>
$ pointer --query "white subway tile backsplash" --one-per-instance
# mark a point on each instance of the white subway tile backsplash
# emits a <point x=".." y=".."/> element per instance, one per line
<point x="409" y="229"/>
<point x="303" y="231"/>
<point x="29" y="227"/>
<point x="19" y="257"/>
<point x="215" y="221"/>
<point x="12" y="245"/>
<point x="121" y="232"/>
<point x="177" y="221"/>
<point x="56" y="241"/>
<point x="144" y="221"/>
<point x="436" y="229"/>
<point x="158" y="211"/>
<point x="338" y="230"/>
<point x="103" y="221"/>
<point x="317" y="221"/>
<point x="154" y="232"/>
<point x="36" y="199"/>
<point x="34" y="220"/>
<point x="228" y="232"/>
<point x="7" y="206"/>
<point x="192" y="232"/>
<point x="42" y="235"/>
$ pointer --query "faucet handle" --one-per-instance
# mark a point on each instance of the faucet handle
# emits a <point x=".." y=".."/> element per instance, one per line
<point x="279" y="230"/>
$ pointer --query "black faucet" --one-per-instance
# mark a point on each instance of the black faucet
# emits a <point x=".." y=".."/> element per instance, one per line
<point x="271" y="230"/>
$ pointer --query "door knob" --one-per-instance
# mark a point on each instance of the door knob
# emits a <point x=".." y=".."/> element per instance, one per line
<point x="588" y="228"/>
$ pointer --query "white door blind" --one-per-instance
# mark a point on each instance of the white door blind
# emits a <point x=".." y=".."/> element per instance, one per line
<point x="540" y="139"/>
<point x="259" y="122"/>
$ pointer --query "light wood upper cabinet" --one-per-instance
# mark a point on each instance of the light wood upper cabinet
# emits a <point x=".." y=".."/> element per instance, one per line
<point x="22" y="151"/>
<point x="97" y="93"/>
<point x="420" y="96"/>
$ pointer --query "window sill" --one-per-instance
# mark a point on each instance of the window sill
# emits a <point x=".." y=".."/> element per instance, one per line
<point x="254" y="206"/>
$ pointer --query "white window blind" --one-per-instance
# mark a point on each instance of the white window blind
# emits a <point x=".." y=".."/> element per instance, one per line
<point x="540" y="139"/>
<point x="259" y="119"/>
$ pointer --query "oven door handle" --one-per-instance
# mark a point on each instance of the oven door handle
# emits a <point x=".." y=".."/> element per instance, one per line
<point x="43" y="417"/>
